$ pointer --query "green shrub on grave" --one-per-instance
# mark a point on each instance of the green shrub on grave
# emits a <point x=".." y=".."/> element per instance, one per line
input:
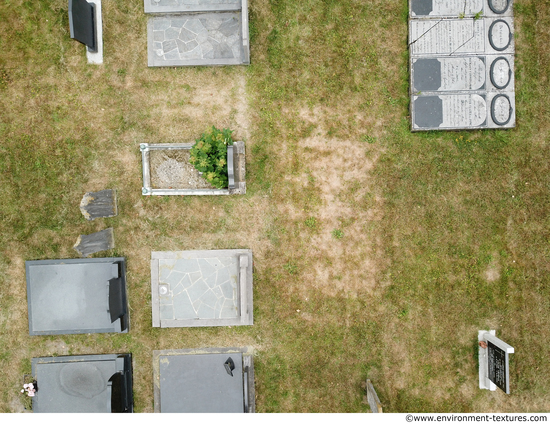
<point x="209" y="155"/>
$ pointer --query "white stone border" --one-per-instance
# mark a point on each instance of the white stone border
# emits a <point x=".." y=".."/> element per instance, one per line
<point x="96" y="58"/>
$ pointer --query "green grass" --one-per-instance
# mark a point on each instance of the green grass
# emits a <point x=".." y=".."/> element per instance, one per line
<point x="378" y="253"/>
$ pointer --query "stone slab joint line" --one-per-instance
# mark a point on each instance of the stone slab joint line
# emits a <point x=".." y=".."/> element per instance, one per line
<point x="428" y="30"/>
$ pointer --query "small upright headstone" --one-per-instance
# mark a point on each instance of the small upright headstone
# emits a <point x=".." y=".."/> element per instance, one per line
<point x="86" y="27"/>
<point x="82" y="23"/>
<point x="96" y="242"/>
<point x="99" y="204"/>
<point x="372" y="398"/>
<point x="493" y="362"/>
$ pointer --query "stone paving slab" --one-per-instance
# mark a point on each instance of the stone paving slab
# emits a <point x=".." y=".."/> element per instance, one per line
<point x="201" y="288"/>
<point x="461" y="64"/>
<point x="198" y="39"/>
<point x="171" y="6"/>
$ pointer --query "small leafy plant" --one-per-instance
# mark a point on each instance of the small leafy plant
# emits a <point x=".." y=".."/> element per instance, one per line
<point x="209" y="155"/>
<point x="337" y="234"/>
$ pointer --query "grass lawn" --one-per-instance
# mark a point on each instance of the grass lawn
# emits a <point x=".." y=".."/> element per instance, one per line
<point x="378" y="253"/>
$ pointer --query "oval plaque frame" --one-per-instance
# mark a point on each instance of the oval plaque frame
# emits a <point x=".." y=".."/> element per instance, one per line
<point x="495" y="10"/>
<point x="490" y="35"/>
<point x="510" y="73"/>
<point x="495" y="120"/>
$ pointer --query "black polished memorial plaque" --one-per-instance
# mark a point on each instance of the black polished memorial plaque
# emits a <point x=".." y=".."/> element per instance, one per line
<point x="498" y="367"/>
<point x="82" y="23"/>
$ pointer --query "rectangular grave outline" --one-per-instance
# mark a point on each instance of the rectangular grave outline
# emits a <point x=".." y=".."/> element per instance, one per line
<point x="247" y="353"/>
<point x="245" y="294"/>
<point x="490" y="54"/>
<point x="238" y="148"/>
<point x="122" y="362"/>
<point x="116" y="327"/>
<point x="489" y="122"/>
<point x="244" y="33"/>
<point x="485" y="9"/>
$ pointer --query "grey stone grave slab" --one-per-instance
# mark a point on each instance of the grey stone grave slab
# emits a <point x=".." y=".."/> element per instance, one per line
<point x="462" y="69"/>
<point x="201" y="288"/>
<point x="87" y="383"/>
<point x="493" y="362"/>
<point x="456" y="9"/>
<point x="197" y="380"/>
<point x="99" y="204"/>
<point x="198" y="39"/>
<point x="86" y="245"/>
<point x="174" y="6"/>
<point x="165" y="173"/>
<point x="73" y="296"/>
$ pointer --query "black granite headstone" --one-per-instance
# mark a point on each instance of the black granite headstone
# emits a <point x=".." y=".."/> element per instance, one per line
<point x="421" y="7"/>
<point x="429" y="112"/>
<point x="99" y="204"/>
<point x="427" y="74"/>
<point x="498" y="367"/>
<point x="82" y="23"/>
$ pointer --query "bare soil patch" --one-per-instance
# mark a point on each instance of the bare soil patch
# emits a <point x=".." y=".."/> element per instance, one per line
<point x="170" y="169"/>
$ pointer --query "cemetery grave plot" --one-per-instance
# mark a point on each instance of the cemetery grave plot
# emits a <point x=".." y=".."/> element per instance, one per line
<point x="167" y="171"/>
<point x="494" y="366"/>
<point x="461" y="64"/>
<point x="75" y="296"/>
<point x="88" y="383"/>
<point x="86" y="26"/>
<point x="201" y="288"/>
<point x="197" y="33"/>
<point x="204" y="380"/>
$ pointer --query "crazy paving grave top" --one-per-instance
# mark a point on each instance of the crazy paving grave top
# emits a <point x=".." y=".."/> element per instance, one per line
<point x="201" y="288"/>
<point x="197" y="39"/>
<point x="168" y="6"/>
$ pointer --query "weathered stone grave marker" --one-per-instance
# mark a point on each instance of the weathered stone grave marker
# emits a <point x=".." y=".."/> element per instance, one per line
<point x="372" y="398"/>
<point x="86" y="26"/>
<point x="96" y="242"/>
<point x="493" y="362"/>
<point x="99" y="204"/>
<point x="461" y="64"/>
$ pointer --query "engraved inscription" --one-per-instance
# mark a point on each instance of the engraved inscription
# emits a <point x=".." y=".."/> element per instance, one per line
<point x="461" y="111"/>
<point x="497" y="365"/>
<point x="500" y="73"/>
<point x="500" y="35"/>
<point x="454" y="8"/>
<point x="447" y="36"/>
<point x="501" y="109"/>
<point x="465" y="73"/>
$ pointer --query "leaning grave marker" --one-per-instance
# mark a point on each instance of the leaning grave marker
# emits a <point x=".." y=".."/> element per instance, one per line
<point x="461" y="64"/>
<point x="197" y="33"/>
<point x="493" y="362"/>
